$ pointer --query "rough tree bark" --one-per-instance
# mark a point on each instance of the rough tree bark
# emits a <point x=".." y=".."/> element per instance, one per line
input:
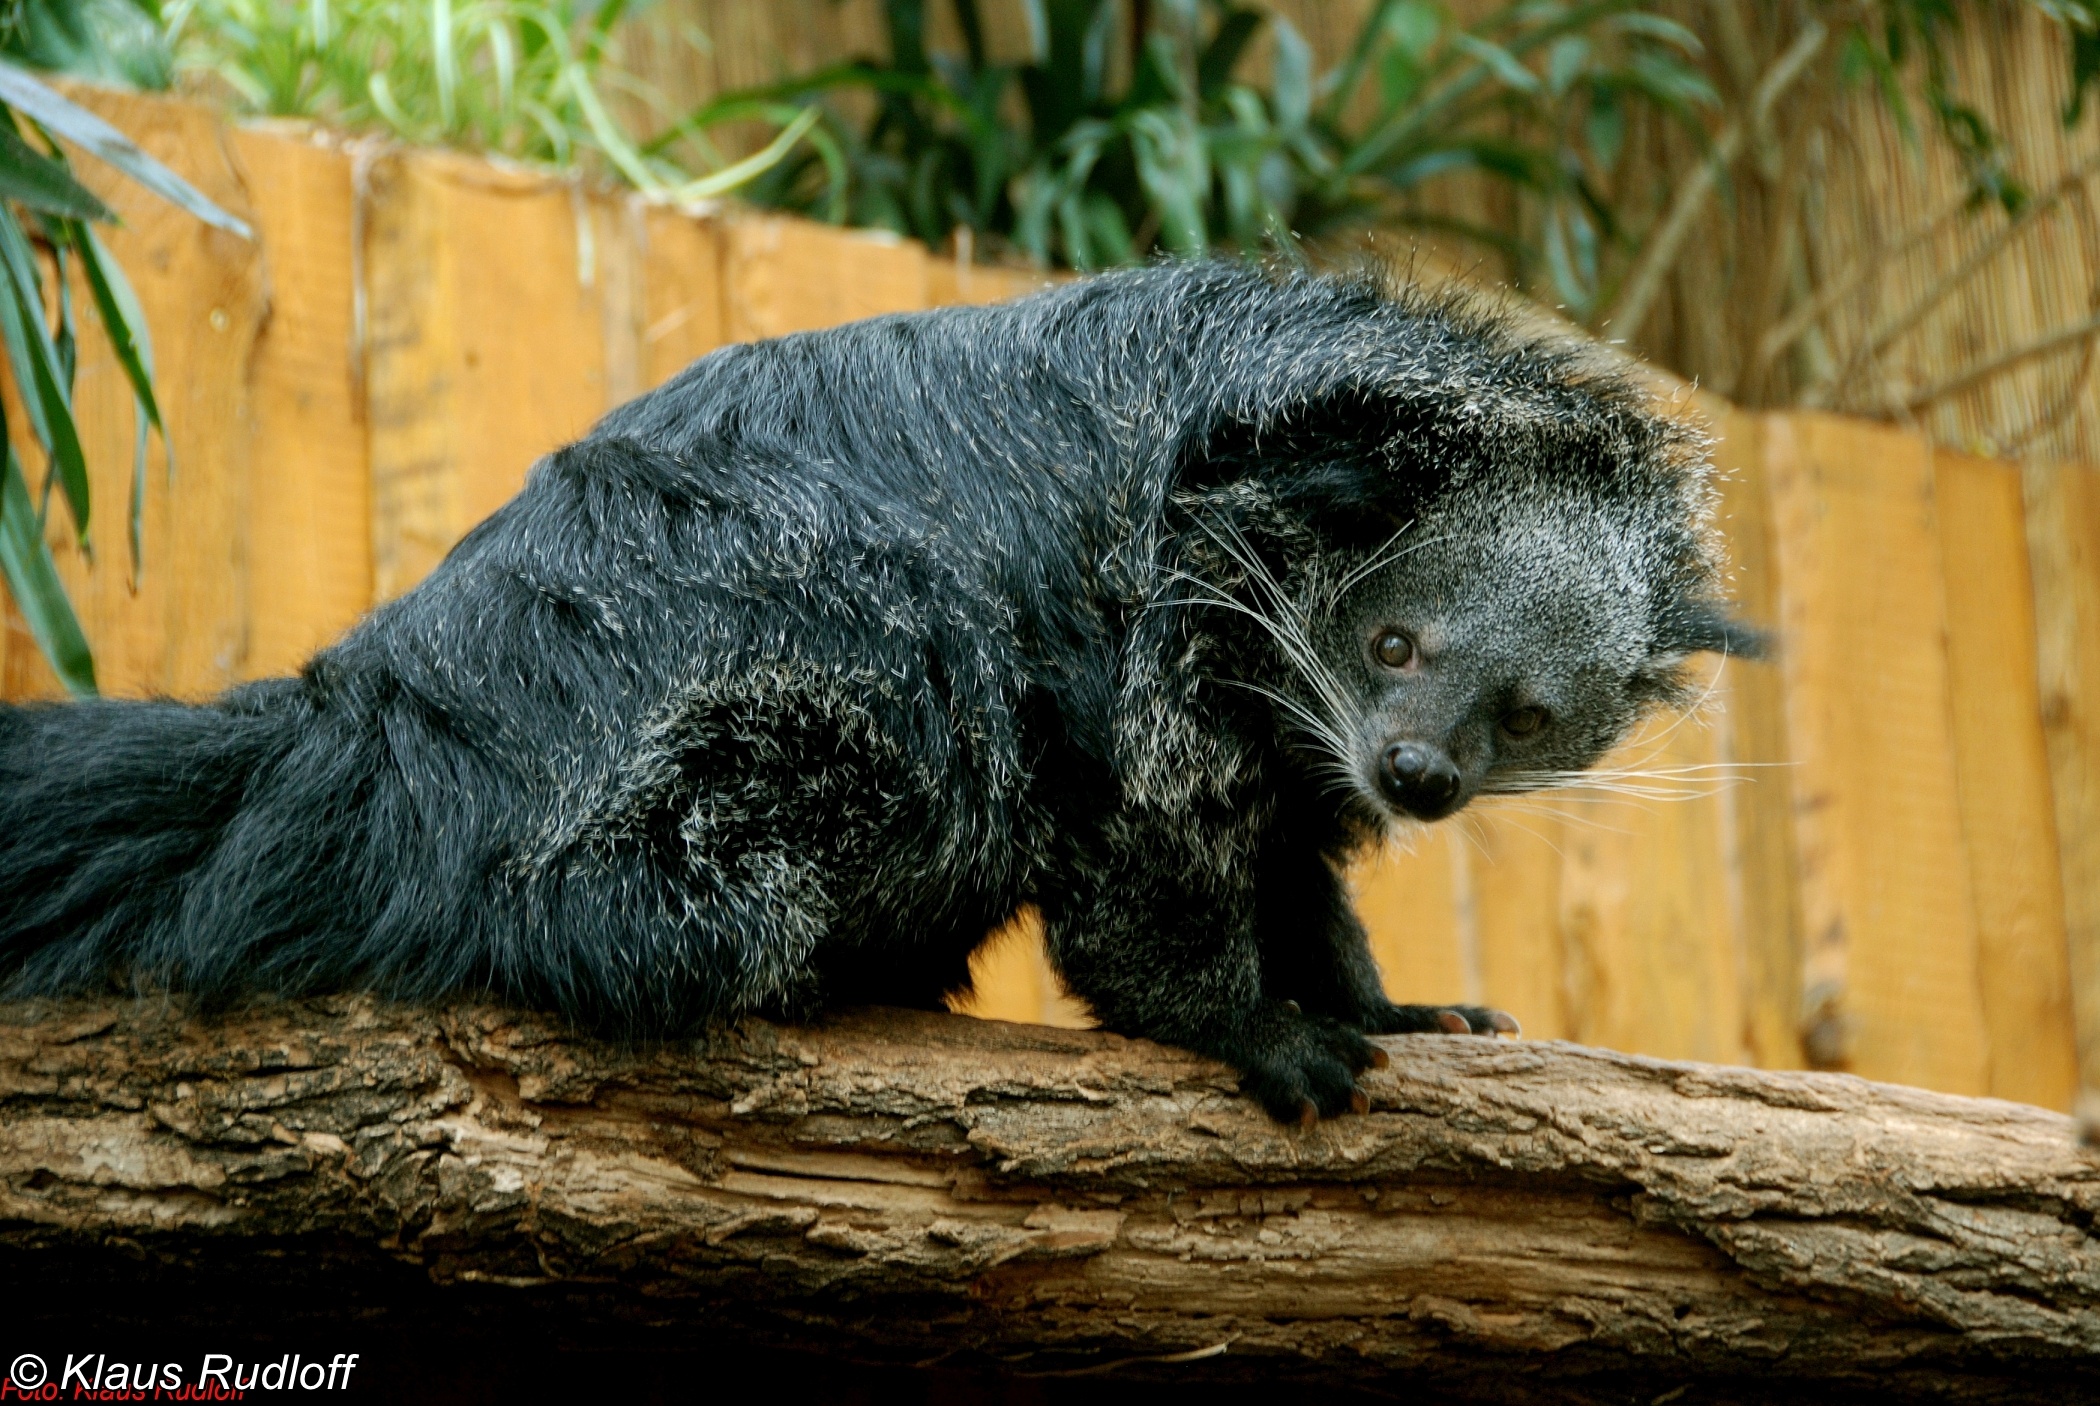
<point x="1512" y="1221"/>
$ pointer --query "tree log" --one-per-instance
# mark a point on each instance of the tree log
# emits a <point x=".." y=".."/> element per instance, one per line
<point x="1512" y="1221"/>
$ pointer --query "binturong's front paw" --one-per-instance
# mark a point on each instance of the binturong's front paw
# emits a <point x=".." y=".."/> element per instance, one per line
<point x="1303" y="1068"/>
<point x="1446" y="1020"/>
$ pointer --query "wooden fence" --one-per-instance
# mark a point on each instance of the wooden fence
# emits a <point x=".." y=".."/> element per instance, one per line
<point x="1880" y="852"/>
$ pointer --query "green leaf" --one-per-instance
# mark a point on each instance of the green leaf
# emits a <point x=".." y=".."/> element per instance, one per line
<point x="32" y="578"/>
<point x="1337" y="87"/>
<point x="1399" y="78"/>
<point x="124" y="323"/>
<point x="2085" y="72"/>
<point x="1605" y="127"/>
<point x="1658" y="27"/>
<point x="1414" y="27"/>
<point x="35" y="180"/>
<point x="122" y="318"/>
<point x="37" y="367"/>
<point x="1106" y="230"/>
<point x="1672" y="84"/>
<point x="1291" y="77"/>
<point x="1565" y="62"/>
<point x="1222" y="54"/>
<point x="109" y="41"/>
<point x="91" y="134"/>
<point x="1173" y="164"/>
<point x="1500" y="61"/>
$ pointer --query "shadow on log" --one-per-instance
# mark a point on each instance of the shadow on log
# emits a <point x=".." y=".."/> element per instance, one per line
<point x="1511" y="1222"/>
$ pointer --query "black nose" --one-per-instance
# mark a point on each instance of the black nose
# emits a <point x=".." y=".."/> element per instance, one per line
<point x="1421" y="780"/>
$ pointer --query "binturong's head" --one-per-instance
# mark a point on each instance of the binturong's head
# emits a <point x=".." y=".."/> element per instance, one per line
<point x="1468" y="564"/>
<point x="1498" y="643"/>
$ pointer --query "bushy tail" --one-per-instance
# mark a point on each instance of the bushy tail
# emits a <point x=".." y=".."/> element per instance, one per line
<point x="129" y="832"/>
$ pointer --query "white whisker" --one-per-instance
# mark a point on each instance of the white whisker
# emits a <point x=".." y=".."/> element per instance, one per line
<point x="1285" y="621"/>
<point x="1384" y="556"/>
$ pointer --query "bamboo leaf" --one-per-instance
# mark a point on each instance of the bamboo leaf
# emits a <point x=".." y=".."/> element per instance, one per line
<point x="122" y="318"/>
<point x="1222" y="54"/>
<point x="32" y="579"/>
<point x="1292" y="79"/>
<point x="1500" y="60"/>
<point x="62" y="118"/>
<point x="35" y="180"/>
<point x="1338" y="85"/>
<point x="1660" y="28"/>
<point x="1565" y="61"/>
<point x="752" y="166"/>
<point x="38" y="373"/>
<point x="124" y="323"/>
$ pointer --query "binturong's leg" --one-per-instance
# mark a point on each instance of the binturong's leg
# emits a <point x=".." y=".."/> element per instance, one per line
<point x="1314" y="951"/>
<point x="1159" y="935"/>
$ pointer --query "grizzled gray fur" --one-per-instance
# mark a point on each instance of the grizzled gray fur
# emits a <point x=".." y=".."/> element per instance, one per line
<point x="1145" y="600"/>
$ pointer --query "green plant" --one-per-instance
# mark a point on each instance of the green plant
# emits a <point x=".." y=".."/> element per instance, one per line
<point x="117" y="41"/>
<point x="43" y="208"/>
<point x="1185" y="153"/>
<point x="1135" y="128"/>
<point x="524" y="78"/>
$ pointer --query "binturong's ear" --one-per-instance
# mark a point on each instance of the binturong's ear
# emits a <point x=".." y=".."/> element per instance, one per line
<point x="1696" y="626"/>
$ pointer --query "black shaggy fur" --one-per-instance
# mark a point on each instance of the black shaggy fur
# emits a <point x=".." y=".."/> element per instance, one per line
<point x="800" y="674"/>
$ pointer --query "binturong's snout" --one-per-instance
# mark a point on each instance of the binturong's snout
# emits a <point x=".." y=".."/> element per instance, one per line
<point x="1420" y="780"/>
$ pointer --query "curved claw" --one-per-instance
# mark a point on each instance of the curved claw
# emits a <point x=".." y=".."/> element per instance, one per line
<point x="1308" y="1115"/>
<point x="1360" y="1102"/>
<point x="1505" y="1024"/>
<point x="1380" y="1059"/>
<point x="1453" y="1023"/>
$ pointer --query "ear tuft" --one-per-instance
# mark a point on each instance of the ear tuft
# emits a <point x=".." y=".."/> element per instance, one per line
<point x="1704" y="625"/>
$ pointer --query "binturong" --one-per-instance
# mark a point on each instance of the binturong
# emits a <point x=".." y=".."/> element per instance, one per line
<point x="1147" y="600"/>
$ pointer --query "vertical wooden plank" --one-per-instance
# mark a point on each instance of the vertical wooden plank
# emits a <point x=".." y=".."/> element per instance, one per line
<point x="784" y="275"/>
<point x="1515" y="860"/>
<point x="411" y="358"/>
<point x="950" y="281"/>
<point x="183" y="631"/>
<point x="486" y="347"/>
<point x="1011" y="979"/>
<point x="1765" y="886"/>
<point x="2063" y="532"/>
<point x="2002" y="766"/>
<point x="1006" y="982"/>
<point x="1891" y="958"/>
<point x="1644" y="904"/>
<point x="682" y="291"/>
<point x="1413" y="901"/>
<point x="613" y="269"/>
<point x="310" y="506"/>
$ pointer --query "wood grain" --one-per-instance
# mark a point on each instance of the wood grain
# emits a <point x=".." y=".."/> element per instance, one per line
<point x="2007" y="801"/>
<point x="1415" y="898"/>
<point x="1766" y="881"/>
<point x="2063" y="525"/>
<point x="1516" y="1222"/>
<point x="489" y="294"/>
<point x="1890" y="966"/>
<point x="682" y="316"/>
<point x="1515" y="859"/>
<point x="309" y="529"/>
<point x="953" y="280"/>
<point x="772" y="285"/>
<point x="1647" y="928"/>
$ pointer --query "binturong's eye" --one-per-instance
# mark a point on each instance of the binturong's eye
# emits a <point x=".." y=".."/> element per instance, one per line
<point x="1522" y="722"/>
<point x="1393" y="649"/>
